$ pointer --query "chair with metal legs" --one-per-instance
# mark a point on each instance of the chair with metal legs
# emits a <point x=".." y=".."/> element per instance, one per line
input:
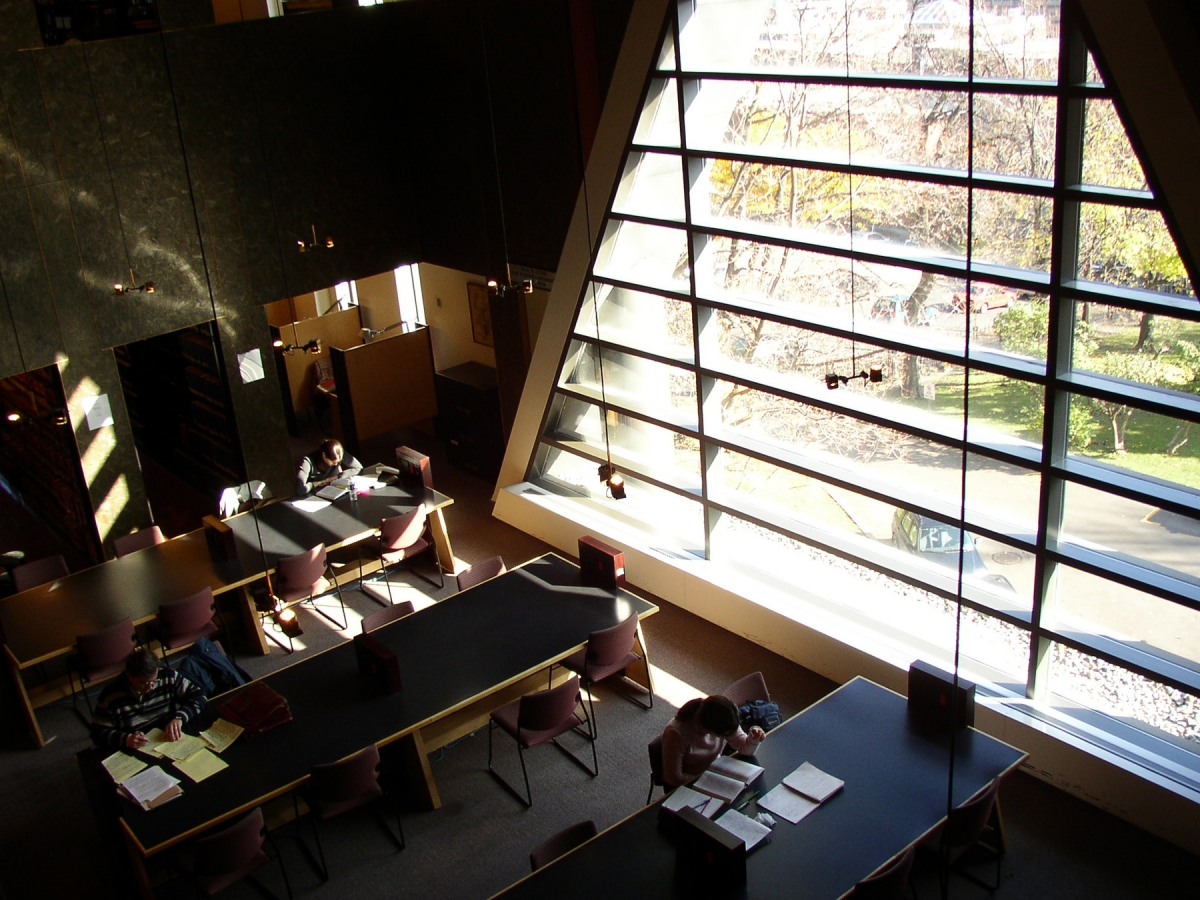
<point x="607" y="654"/>
<point x="302" y="579"/>
<point x="401" y="539"/>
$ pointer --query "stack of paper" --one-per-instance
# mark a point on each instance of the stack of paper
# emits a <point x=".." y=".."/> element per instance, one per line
<point x="685" y="797"/>
<point x="200" y="765"/>
<point x="801" y="792"/>
<point x="221" y="734"/>
<point x="743" y="827"/>
<point x="151" y="788"/>
<point x="190" y="754"/>
<point x="158" y="745"/>
<point x="122" y="766"/>
<point x="362" y="483"/>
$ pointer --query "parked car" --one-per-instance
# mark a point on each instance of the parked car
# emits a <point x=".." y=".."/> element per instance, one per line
<point x="982" y="301"/>
<point x="939" y="542"/>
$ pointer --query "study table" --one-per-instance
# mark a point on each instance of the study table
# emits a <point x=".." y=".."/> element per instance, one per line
<point x="41" y="624"/>
<point x="895" y="793"/>
<point x="459" y="659"/>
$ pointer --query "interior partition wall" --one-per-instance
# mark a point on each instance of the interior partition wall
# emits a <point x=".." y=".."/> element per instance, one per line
<point x="884" y="308"/>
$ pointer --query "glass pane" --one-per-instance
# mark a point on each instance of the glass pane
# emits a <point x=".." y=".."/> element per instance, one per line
<point x="802" y="37"/>
<point x="1119" y="693"/>
<point x="776" y="118"/>
<point x="909" y="128"/>
<point x="890" y="37"/>
<point x="1108" y="616"/>
<point x="644" y="254"/>
<point x="910" y="219"/>
<point x="1006" y="496"/>
<point x="1129" y="247"/>
<point x="666" y="54"/>
<point x="992" y="650"/>
<point x="1131" y="531"/>
<point x="801" y="204"/>
<point x="1155" y="445"/>
<point x="666" y="518"/>
<point x="1018" y="41"/>
<point x="634" y="445"/>
<point x="1014" y="134"/>
<point x="1003" y="412"/>
<point x="648" y="322"/>
<point x="1008" y="321"/>
<point x="658" y="391"/>
<point x="1093" y="71"/>
<point x="658" y="124"/>
<point x="1108" y="157"/>
<point x="652" y="186"/>
<point x="1012" y="230"/>
<point x="721" y="35"/>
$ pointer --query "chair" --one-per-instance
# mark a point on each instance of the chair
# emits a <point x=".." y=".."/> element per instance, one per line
<point x="566" y="840"/>
<point x="225" y="858"/>
<point x="342" y="787"/>
<point x="967" y="826"/>
<point x="654" y="751"/>
<point x="748" y="689"/>
<point x="100" y="655"/>
<point x="183" y="622"/>
<point x="402" y="538"/>
<point x="40" y="571"/>
<point x="889" y="882"/>
<point x="139" y="540"/>
<point x="608" y="652"/>
<point x="388" y="614"/>
<point x="537" y="718"/>
<point x="301" y="579"/>
<point x="480" y="572"/>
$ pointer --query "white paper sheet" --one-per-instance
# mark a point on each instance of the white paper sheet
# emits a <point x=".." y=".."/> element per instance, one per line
<point x="786" y="803"/>
<point x="813" y="783"/>
<point x="744" y="827"/>
<point x="310" y="504"/>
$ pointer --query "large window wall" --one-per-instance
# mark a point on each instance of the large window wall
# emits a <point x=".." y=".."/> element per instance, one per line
<point x="948" y="195"/>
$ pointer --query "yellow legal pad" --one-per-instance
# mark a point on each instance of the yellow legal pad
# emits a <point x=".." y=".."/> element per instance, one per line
<point x="200" y="765"/>
<point x="221" y="735"/>
<point x="122" y="766"/>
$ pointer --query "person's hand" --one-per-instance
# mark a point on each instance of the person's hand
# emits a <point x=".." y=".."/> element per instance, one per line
<point x="136" y="740"/>
<point x="756" y="734"/>
<point x="174" y="729"/>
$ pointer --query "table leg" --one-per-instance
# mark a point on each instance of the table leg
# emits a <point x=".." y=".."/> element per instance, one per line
<point x="252" y="624"/>
<point x="31" y="722"/>
<point x="418" y="772"/>
<point x="137" y="865"/>
<point x="441" y="540"/>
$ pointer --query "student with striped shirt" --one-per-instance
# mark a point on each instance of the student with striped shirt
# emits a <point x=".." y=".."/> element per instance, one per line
<point x="144" y="697"/>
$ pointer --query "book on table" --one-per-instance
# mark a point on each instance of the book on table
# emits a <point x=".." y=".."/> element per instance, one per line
<point x="737" y="769"/>
<point x="151" y="788"/>
<point x="684" y="797"/>
<point x="720" y="786"/>
<point x="811" y="782"/>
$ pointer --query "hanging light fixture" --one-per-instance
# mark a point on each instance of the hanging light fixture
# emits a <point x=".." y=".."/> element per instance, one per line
<point x="304" y="246"/>
<point x="146" y="287"/>
<point x="313" y="347"/>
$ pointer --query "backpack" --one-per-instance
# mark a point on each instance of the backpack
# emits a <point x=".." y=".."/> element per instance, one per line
<point x="210" y="669"/>
<point x="763" y="713"/>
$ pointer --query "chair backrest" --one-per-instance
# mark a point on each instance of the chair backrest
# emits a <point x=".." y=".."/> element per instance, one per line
<point x="402" y="531"/>
<point x="966" y="823"/>
<point x="322" y="370"/>
<point x="139" y="540"/>
<point x="48" y="568"/>
<point x="610" y="645"/>
<point x="549" y="709"/>
<point x="889" y="882"/>
<point x="339" y="786"/>
<point x="748" y="689"/>
<point x="106" y="647"/>
<point x="231" y="849"/>
<point x="385" y="615"/>
<point x="302" y="571"/>
<point x="188" y="615"/>
<point x="654" y="751"/>
<point x="556" y="845"/>
<point x="480" y="572"/>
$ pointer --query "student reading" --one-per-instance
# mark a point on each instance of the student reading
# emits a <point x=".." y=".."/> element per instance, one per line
<point x="144" y="697"/>
<point x="323" y="466"/>
<point x="695" y="737"/>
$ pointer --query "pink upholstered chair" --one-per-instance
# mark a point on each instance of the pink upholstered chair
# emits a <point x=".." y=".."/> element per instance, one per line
<point x="607" y="654"/>
<point x="480" y="572"/>
<point x="401" y="540"/>
<point x="139" y="540"/>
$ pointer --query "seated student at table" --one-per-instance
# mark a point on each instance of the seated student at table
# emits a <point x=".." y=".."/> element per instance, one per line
<point x="323" y="466"/>
<point x="143" y="697"/>
<point x="697" y="735"/>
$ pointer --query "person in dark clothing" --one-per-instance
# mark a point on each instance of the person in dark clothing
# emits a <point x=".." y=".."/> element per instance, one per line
<point x="325" y="465"/>
<point x="144" y="697"/>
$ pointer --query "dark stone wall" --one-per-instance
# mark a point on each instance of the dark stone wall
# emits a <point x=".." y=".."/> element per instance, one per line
<point x="199" y="156"/>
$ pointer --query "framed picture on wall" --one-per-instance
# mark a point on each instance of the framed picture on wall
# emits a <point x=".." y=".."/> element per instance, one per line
<point x="481" y="314"/>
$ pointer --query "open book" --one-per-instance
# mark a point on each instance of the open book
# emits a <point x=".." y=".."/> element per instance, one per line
<point x="811" y="782"/>
<point x="720" y="786"/>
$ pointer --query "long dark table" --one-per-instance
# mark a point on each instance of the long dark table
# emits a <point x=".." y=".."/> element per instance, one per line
<point x="896" y="791"/>
<point x="41" y="624"/>
<point x="459" y="659"/>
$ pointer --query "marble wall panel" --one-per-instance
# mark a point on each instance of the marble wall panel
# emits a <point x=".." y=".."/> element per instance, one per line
<point x="30" y="300"/>
<point x="132" y="88"/>
<point x="26" y="114"/>
<point x="176" y="14"/>
<point x="10" y="160"/>
<point x="71" y="109"/>
<point x="10" y="351"/>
